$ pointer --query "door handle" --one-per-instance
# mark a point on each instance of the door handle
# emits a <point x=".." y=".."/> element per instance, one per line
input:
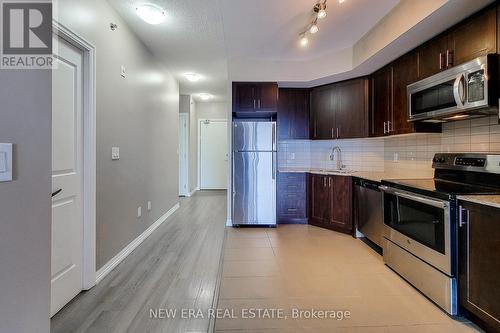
<point x="458" y="90"/>
<point x="56" y="192"/>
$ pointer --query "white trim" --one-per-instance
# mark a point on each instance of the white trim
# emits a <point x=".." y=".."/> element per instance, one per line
<point x="185" y="192"/>
<point x="89" y="151"/>
<point x="190" y="194"/>
<point x="200" y="120"/>
<point x="116" y="260"/>
<point x="229" y="223"/>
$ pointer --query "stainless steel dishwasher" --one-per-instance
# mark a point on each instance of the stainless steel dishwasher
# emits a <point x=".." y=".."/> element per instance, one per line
<point x="369" y="214"/>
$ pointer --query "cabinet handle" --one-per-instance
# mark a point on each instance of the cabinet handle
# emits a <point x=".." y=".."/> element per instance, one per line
<point x="259" y="103"/>
<point x="440" y="60"/>
<point x="329" y="182"/>
<point x="449" y="58"/>
<point x="332" y="133"/>
<point x="463" y="218"/>
<point x="385" y="127"/>
<point x="324" y="181"/>
<point x="389" y="127"/>
<point x="254" y="104"/>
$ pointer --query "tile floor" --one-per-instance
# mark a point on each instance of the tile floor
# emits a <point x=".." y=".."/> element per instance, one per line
<point x="306" y="267"/>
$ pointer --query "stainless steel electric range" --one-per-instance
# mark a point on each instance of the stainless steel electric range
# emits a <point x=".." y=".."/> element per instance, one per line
<point x="421" y="222"/>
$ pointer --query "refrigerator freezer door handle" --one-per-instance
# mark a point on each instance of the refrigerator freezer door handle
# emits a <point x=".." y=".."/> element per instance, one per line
<point x="274" y="166"/>
<point x="274" y="136"/>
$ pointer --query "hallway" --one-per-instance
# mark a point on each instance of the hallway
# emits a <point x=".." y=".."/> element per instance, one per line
<point x="176" y="267"/>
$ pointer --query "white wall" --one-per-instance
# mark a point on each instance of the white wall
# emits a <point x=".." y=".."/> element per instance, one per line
<point x="25" y="204"/>
<point x="211" y="110"/>
<point x="139" y="114"/>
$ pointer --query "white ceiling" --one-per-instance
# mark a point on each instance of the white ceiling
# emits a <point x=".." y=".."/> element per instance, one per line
<point x="190" y="40"/>
<point x="256" y="40"/>
<point x="269" y="29"/>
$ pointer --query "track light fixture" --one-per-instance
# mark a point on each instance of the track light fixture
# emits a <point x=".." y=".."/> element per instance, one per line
<point x="319" y="10"/>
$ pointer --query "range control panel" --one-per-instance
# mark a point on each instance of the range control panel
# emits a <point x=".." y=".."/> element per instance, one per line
<point x="468" y="161"/>
<point x="475" y="162"/>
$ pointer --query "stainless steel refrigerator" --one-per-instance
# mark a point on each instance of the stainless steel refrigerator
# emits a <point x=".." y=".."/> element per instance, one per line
<point x="254" y="173"/>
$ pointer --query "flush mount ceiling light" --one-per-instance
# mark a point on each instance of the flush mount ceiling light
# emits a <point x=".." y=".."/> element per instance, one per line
<point x="205" y="96"/>
<point x="192" y="77"/>
<point x="151" y="14"/>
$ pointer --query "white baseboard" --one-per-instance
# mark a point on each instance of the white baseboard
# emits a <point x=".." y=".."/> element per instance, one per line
<point x="192" y="192"/>
<point x="229" y="223"/>
<point x="110" y="265"/>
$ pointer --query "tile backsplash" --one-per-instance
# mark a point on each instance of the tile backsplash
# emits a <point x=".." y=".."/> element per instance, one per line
<point x="402" y="156"/>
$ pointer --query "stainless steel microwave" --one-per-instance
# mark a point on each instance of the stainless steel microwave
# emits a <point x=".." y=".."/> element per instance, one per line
<point x="465" y="91"/>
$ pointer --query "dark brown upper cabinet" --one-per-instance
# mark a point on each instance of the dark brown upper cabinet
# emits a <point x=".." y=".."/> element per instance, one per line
<point x="381" y="101"/>
<point x="389" y="109"/>
<point x="474" y="37"/>
<point x="351" y="116"/>
<point x="340" y="110"/>
<point x="404" y="72"/>
<point x="322" y="116"/>
<point x="255" y="97"/>
<point x="293" y="114"/>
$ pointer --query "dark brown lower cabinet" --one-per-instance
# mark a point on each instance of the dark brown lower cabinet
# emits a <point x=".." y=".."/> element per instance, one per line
<point x="330" y="202"/>
<point x="479" y="270"/>
<point x="292" y="198"/>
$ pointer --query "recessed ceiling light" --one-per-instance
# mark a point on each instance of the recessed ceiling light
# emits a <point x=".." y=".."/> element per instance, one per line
<point x="193" y="77"/>
<point x="151" y="14"/>
<point x="205" y="96"/>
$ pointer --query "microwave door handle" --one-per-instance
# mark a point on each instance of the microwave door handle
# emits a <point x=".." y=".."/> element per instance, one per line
<point x="459" y="90"/>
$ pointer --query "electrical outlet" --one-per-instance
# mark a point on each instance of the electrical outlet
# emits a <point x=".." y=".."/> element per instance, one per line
<point x="139" y="211"/>
<point x="396" y="157"/>
<point x="149" y="206"/>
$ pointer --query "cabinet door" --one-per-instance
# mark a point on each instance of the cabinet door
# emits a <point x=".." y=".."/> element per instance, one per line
<point x="479" y="269"/>
<point x="292" y="198"/>
<point x="321" y="113"/>
<point x="319" y="202"/>
<point x="381" y="98"/>
<point x="341" y="203"/>
<point x="473" y="38"/>
<point x="405" y="72"/>
<point x="432" y="56"/>
<point x="244" y="97"/>
<point x="293" y="114"/>
<point x="351" y="117"/>
<point x="267" y="99"/>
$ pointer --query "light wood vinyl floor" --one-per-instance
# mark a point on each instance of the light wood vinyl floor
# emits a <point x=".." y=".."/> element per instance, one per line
<point x="176" y="267"/>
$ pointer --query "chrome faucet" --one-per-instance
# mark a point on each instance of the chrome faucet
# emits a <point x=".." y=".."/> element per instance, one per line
<point x="337" y="149"/>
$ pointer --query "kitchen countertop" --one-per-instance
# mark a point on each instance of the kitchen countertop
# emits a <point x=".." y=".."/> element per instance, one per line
<point x="368" y="175"/>
<point x="488" y="200"/>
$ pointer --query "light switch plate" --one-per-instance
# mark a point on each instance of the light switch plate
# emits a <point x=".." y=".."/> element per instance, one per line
<point x="5" y="162"/>
<point x="115" y="153"/>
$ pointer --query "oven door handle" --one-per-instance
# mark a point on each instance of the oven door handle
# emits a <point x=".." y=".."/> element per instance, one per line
<point x="425" y="200"/>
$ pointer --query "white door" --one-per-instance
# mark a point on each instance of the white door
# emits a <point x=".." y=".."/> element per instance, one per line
<point x="67" y="165"/>
<point x="183" y="154"/>
<point x="213" y="154"/>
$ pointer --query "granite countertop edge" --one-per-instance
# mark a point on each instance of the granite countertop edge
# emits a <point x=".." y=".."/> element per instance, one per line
<point x="487" y="200"/>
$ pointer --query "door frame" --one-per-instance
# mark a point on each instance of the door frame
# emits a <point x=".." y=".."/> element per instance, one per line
<point x="186" y="159"/>
<point x="200" y="122"/>
<point x="89" y="151"/>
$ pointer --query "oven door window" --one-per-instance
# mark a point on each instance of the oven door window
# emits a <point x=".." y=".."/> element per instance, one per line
<point x="435" y="98"/>
<point x="421" y="222"/>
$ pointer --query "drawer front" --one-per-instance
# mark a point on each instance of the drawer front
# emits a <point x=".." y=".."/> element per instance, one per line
<point x="292" y="198"/>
